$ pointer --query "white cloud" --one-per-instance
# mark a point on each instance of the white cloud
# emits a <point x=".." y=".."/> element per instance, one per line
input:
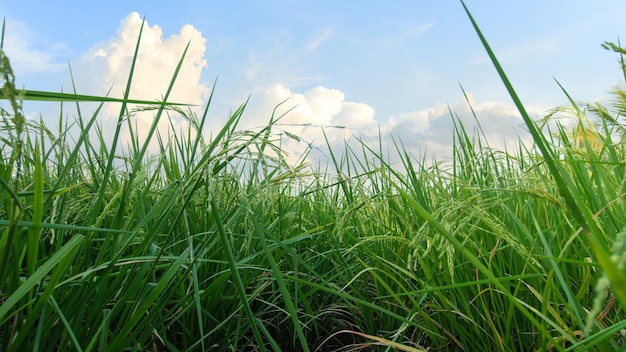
<point x="319" y="39"/>
<point x="419" y="29"/>
<point x="108" y="64"/>
<point x="431" y="130"/>
<point x="423" y="131"/>
<point x="156" y="62"/>
<point x="322" y="110"/>
<point x="310" y="115"/>
<point x="19" y="43"/>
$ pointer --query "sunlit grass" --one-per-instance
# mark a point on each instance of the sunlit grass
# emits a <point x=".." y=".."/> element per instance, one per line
<point x="220" y="244"/>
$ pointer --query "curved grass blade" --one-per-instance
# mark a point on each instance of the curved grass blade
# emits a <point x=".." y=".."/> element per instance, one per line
<point x="458" y="245"/>
<point x="564" y="183"/>
<point x="66" y="251"/>
<point x="234" y="270"/>
<point x="379" y="341"/>
<point x="278" y="275"/>
<point x="137" y="320"/>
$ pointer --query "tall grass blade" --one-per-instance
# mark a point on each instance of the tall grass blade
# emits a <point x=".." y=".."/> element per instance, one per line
<point x="97" y="205"/>
<point x="565" y="185"/>
<point x="143" y="308"/>
<point x="278" y="275"/>
<point x="459" y="246"/>
<point x="66" y="323"/>
<point x="35" y="279"/>
<point x="234" y="271"/>
<point x="137" y="165"/>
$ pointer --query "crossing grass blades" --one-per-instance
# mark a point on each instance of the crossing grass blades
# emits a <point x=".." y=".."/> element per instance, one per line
<point x="220" y="244"/>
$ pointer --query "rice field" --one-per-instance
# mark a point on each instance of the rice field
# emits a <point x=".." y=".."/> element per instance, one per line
<point x="220" y="244"/>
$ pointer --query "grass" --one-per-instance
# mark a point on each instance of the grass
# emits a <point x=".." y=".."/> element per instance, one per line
<point x="219" y="244"/>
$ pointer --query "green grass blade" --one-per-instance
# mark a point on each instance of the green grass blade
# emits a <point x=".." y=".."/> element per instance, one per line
<point x="68" y="227"/>
<point x="143" y="308"/>
<point x="65" y="252"/>
<point x="616" y="276"/>
<point x="95" y="209"/>
<point x="278" y="275"/>
<point x="67" y="325"/>
<point x="459" y="246"/>
<point x="137" y="165"/>
<point x="34" y="232"/>
<point x="36" y="95"/>
<point x="234" y="270"/>
<point x="4" y="22"/>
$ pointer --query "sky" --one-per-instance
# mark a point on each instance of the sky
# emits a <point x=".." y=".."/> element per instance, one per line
<point x="391" y="68"/>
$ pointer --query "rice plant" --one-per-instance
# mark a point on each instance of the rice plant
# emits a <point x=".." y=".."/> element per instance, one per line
<point x="220" y="244"/>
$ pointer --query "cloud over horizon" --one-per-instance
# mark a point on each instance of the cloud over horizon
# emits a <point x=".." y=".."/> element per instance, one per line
<point x="311" y="115"/>
<point x="427" y="132"/>
<point x="314" y="115"/>
<point x="431" y="130"/>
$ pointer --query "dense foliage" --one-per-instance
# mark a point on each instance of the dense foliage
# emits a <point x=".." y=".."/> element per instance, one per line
<point x="222" y="245"/>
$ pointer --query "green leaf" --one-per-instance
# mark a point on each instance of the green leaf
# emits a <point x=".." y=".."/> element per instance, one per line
<point x="65" y="252"/>
<point x="37" y="95"/>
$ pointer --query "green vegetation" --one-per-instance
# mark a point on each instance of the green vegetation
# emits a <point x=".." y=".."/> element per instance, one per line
<point x="222" y="245"/>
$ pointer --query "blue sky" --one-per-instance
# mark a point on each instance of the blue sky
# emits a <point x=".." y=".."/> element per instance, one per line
<point x="394" y="66"/>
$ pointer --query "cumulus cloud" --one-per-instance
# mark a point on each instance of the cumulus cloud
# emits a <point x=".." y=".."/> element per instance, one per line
<point x="310" y="115"/>
<point x="106" y="66"/>
<point x="318" y="111"/>
<point x="430" y="131"/>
